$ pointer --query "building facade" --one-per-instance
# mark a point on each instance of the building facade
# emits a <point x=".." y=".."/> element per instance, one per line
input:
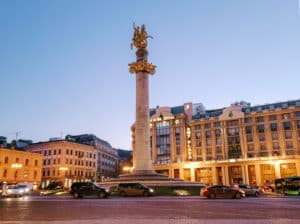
<point x="19" y="166"/>
<point x="240" y="143"/>
<point x="107" y="156"/>
<point x="66" y="162"/>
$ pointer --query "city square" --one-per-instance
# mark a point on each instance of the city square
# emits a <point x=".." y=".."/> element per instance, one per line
<point x="206" y="129"/>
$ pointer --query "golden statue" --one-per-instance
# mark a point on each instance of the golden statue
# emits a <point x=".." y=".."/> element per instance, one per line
<point x="140" y="36"/>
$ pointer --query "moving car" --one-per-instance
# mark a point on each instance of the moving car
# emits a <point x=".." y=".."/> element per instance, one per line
<point x="80" y="189"/>
<point x="54" y="188"/>
<point x="134" y="189"/>
<point x="15" y="190"/>
<point x="249" y="191"/>
<point x="221" y="191"/>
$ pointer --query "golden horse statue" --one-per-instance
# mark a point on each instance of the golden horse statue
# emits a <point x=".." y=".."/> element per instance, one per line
<point x="140" y="37"/>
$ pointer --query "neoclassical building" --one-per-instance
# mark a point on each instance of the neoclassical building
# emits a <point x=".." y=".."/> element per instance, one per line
<point x="239" y="143"/>
<point x="18" y="166"/>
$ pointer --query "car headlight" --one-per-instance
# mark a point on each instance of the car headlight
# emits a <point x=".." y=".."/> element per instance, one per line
<point x="151" y="190"/>
<point x="9" y="191"/>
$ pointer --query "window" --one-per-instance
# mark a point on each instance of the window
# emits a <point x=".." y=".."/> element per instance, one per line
<point x="197" y="127"/>
<point x="249" y="138"/>
<point x="248" y="129"/>
<point x="208" y="134"/>
<point x="5" y="173"/>
<point x="198" y="143"/>
<point x="217" y="124"/>
<point x="260" y="119"/>
<point x="208" y="142"/>
<point x="263" y="147"/>
<point x="6" y="160"/>
<point x="207" y="125"/>
<point x="17" y="160"/>
<point x="232" y="123"/>
<point x="198" y="135"/>
<point x="289" y="144"/>
<point x="262" y="137"/>
<point x="276" y="145"/>
<point x="218" y="132"/>
<point x="273" y="127"/>
<point x="247" y="119"/>
<point x="26" y="162"/>
<point x="48" y="161"/>
<point x="287" y="125"/>
<point x="219" y="150"/>
<point x="36" y="162"/>
<point x="274" y="136"/>
<point x="218" y="141"/>
<point x="288" y="134"/>
<point x="297" y="114"/>
<point x="35" y="175"/>
<point x="298" y="124"/>
<point x="67" y="152"/>
<point x="250" y="147"/>
<point x="261" y="128"/>
<point x="54" y="152"/>
<point x="59" y="151"/>
<point x="272" y="118"/>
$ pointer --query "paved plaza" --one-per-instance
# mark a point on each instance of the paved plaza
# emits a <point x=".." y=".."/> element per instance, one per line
<point x="181" y="210"/>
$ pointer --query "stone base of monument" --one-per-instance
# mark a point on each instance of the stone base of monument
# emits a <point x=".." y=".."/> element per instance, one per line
<point x="144" y="175"/>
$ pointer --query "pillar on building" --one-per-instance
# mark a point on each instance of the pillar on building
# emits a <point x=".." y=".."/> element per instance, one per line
<point x="214" y="175"/>
<point x="193" y="174"/>
<point x="246" y="180"/>
<point x="181" y="173"/>
<point x="258" y="175"/>
<point x="225" y="175"/>
<point x="277" y="170"/>
<point x="298" y="168"/>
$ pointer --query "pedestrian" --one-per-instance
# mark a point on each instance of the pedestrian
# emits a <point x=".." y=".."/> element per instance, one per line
<point x="4" y="189"/>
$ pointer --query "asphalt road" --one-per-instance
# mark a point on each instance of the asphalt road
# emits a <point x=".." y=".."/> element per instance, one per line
<point x="152" y="210"/>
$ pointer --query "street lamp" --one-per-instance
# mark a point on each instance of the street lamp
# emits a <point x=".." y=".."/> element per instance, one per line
<point x="16" y="166"/>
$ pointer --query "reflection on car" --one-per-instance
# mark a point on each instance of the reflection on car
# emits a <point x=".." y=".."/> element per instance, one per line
<point x="54" y="188"/>
<point x="81" y="189"/>
<point x="249" y="191"/>
<point x="134" y="189"/>
<point x="221" y="191"/>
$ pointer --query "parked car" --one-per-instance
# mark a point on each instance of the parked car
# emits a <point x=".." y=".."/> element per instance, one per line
<point x="81" y="189"/>
<point x="134" y="189"/>
<point x="249" y="191"/>
<point x="15" y="190"/>
<point x="221" y="191"/>
<point x="25" y="188"/>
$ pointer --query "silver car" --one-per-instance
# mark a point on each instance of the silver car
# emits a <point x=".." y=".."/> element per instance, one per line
<point x="249" y="191"/>
<point x="14" y="190"/>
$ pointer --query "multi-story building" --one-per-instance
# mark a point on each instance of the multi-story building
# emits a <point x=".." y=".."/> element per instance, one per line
<point x="107" y="156"/>
<point x="239" y="143"/>
<point x="18" y="166"/>
<point x="65" y="161"/>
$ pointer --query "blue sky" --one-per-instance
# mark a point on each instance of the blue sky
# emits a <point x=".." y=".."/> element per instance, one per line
<point x="64" y="63"/>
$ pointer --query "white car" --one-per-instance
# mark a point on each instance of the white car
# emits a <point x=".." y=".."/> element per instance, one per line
<point x="14" y="190"/>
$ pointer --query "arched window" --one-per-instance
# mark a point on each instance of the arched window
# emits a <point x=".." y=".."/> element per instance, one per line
<point x="17" y="160"/>
<point x="6" y="160"/>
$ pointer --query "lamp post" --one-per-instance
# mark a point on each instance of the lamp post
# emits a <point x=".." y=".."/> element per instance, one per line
<point x="64" y="170"/>
<point x="16" y="166"/>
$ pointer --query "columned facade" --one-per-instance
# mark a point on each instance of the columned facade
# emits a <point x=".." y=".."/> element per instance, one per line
<point x="240" y="143"/>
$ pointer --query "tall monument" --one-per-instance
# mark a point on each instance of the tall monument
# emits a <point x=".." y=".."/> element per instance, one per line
<point x="142" y="162"/>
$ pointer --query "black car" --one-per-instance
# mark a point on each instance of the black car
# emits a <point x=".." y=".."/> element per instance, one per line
<point x="80" y="189"/>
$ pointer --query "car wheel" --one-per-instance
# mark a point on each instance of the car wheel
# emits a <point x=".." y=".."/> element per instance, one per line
<point x="76" y="195"/>
<point x="212" y="195"/>
<point x="285" y="192"/>
<point x="146" y="194"/>
<point x="102" y="194"/>
<point x="122" y="194"/>
<point x="256" y="194"/>
<point x="238" y="196"/>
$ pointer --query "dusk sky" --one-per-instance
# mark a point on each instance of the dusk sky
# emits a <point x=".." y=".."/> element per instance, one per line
<point x="64" y="63"/>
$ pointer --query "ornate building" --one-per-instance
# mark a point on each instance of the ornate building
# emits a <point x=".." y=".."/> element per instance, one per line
<point x="18" y="166"/>
<point x="239" y="143"/>
<point x="65" y="161"/>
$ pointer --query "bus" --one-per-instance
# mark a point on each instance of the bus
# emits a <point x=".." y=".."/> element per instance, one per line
<point x="288" y="185"/>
